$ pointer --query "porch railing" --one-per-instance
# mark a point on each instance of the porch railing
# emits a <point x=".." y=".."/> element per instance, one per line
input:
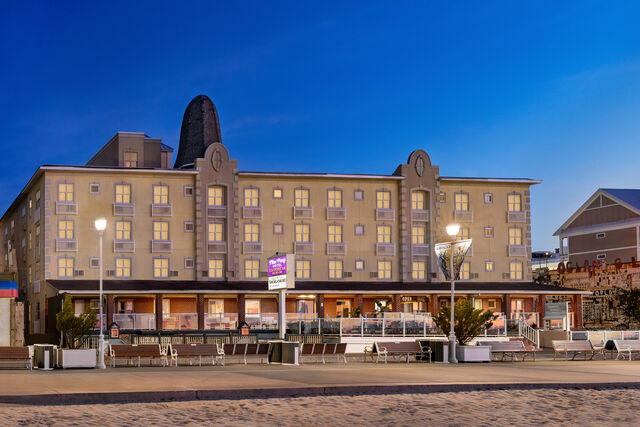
<point x="180" y="321"/>
<point x="262" y="320"/>
<point x="140" y="321"/>
<point x="221" y="321"/>
<point x="602" y="336"/>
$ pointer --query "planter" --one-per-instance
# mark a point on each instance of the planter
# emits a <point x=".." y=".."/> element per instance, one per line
<point x="77" y="358"/>
<point x="473" y="353"/>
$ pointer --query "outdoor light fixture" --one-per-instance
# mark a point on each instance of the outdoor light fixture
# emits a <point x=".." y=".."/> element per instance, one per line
<point x="101" y="225"/>
<point x="453" y="229"/>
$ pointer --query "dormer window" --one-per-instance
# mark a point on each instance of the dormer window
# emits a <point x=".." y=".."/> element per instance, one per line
<point x="130" y="159"/>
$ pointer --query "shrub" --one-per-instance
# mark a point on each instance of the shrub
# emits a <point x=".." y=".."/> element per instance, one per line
<point x="469" y="322"/>
<point x="75" y="329"/>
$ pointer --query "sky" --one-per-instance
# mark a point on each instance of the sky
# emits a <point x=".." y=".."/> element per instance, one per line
<point x="545" y="90"/>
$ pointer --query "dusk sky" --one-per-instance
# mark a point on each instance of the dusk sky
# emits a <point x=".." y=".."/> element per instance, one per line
<point x="543" y="90"/>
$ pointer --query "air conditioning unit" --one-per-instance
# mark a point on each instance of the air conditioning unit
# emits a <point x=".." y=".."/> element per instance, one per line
<point x="348" y="274"/>
<point x="264" y="274"/>
<point x="173" y="273"/>
<point x="111" y="272"/>
<point x="474" y="275"/>
<point x="373" y="274"/>
<point x="205" y="273"/>
<point x="78" y="273"/>
<point x="506" y="275"/>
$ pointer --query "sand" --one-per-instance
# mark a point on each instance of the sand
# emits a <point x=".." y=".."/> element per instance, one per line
<point x="552" y="407"/>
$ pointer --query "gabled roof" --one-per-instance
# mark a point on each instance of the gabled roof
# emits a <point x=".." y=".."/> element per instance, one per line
<point x="629" y="196"/>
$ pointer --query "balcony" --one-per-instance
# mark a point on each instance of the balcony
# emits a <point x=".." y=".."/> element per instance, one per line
<point x="385" y="249"/>
<point x="304" y="248"/>
<point x="124" y="246"/>
<point x="217" y="247"/>
<point x="139" y="321"/>
<point x="385" y="214"/>
<point x="251" y="247"/>
<point x="517" y="217"/>
<point x="217" y="211"/>
<point x="336" y="213"/>
<point x="66" y="245"/>
<point x="464" y="216"/>
<point x="252" y="212"/>
<point x="517" y="250"/>
<point x="336" y="248"/>
<point x="180" y="321"/>
<point x="161" y="246"/>
<point x="302" y="213"/>
<point x="124" y="209"/>
<point x="161" y="210"/>
<point x="420" y="215"/>
<point x="420" y="250"/>
<point x="66" y="208"/>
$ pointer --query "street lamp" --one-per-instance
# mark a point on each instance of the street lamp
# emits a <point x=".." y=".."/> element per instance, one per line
<point x="452" y="231"/>
<point x="101" y="225"/>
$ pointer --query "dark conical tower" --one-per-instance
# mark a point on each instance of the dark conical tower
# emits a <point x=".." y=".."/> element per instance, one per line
<point x="200" y="128"/>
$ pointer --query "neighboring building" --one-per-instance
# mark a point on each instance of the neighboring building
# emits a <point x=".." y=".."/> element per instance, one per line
<point x="186" y="247"/>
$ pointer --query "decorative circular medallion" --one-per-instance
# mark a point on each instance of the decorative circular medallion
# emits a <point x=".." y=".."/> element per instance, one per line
<point x="216" y="160"/>
<point x="420" y="166"/>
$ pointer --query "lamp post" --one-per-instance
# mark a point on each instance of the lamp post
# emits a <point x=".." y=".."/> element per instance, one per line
<point x="101" y="225"/>
<point x="452" y="231"/>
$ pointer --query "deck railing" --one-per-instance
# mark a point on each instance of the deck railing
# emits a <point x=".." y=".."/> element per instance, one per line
<point x="602" y="336"/>
<point x="221" y="321"/>
<point x="180" y="321"/>
<point x="140" y="321"/>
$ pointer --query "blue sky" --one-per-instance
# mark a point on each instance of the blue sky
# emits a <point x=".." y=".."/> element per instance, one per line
<point x="544" y="90"/>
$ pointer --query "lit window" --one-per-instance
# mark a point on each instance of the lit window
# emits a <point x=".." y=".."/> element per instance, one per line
<point x="160" y="267"/>
<point x="303" y="269"/>
<point x="514" y="202"/>
<point x="65" y="267"/>
<point x="384" y="234"/>
<point x="488" y="232"/>
<point x="464" y="271"/>
<point x="383" y="199"/>
<point x="489" y="266"/>
<point x="123" y="267"/>
<point x="488" y="198"/>
<point x="302" y="233"/>
<point x="160" y="230"/>
<point x="215" y="196"/>
<point x="462" y="202"/>
<point x="515" y="270"/>
<point x="65" y="229"/>
<point x="418" y="270"/>
<point x="160" y="194"/>
<point x="359" y="264"/>
<point x="418" y="233"/>
<point x="359" y="229"/>
<point x="123" y="230"/>
<point x="443" y="197"/>
<point x="418" y="200"/>
<point x="123" y="193"/>
<point x="277" y="193"/>
<point x="335" y="233"/>
<point x="251" y="268"/>
<point x="216" y="268"/>
<point x="130" y="159"/>
<point x="216" y="232"/>
<point x="251" y="197"/>
<point x="334" y="198"/>
<point x="463" y="233"/>
<point x="335" y="269"/>
<point x="515" y="236"/>
<point x="65" y="192"/>
<point x="301" y="196"/>
<point x="384" y="269"/>
<point x="251" y="233"/>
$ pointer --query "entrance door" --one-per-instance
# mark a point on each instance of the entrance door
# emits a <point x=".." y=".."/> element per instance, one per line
<point x="343" y="308"/>
<point x="517" y="305"/>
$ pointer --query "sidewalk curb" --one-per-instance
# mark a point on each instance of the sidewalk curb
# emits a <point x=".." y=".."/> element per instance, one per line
<point x="263" y="393"/>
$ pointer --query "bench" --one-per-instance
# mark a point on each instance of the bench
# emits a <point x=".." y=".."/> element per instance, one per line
<point x="323" y="351"/>
<point x="242" y="351"/>
<point x="626" y="347"/>
<point x="509" y="348"/>
<point x="576" y="347"/>
<point x="397" y="349"/>
<point x="193" y="351"/>
<point x="137" y="351"/>
<point x="16" y="354"/>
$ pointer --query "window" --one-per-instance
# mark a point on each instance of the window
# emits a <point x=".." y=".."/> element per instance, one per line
<point x="94" y="262"/>
<point x="358" y="195"/>
<point x="215" y="196"/>
<point x="359" y="230"/>
<point x="491" y="304"/>
<point x="303" y="269"/>
<point x="65" y="229"/>
<point x="160" y="230"/>
<point x="65" y="267"/>
<point x="334" y="198"/>
<point x="335" y="269"/>
<point x="216" y="232"/>
<point x="188" y="191"/>
<point x="601" y="235"/>
<point x="464" y="271"/>
<point x="418" y="270"/>
<point x="489" y="266"/>
<point x="277" y="193"/>
<point x="514" y="202"/>
<point x="301" y="196"/>
<point x="30" y="241"/>
<point x="278" y="228"/>
<point x="123" y="267"/>
<point x="160" y="194"/>
<point x="515" y="270"/>
<point x="462" y="202"/>
<point x="94" y="188"/>
<point x="384" y="234"/>
<point x="463" y="233"/>
<point x="65" y="192"/>
<point x="123" y="230"/>
<point x="488" y="198"/>
<point x="384" y="269"/>
<point x="216" y="306"/>
<point x="24" y="211"/>
<point x="335" y="233"/>
<point x="189" y="263"/>
<point x="251" y="268"/>
<point x="189" y="227"/>
<point x="123" y="193"/>
<point x="418" y="234"/>
<point x="130" y="159"/>
<point x="359" y="265"/>
<point x="383" y="199"/>
<point x="443" y="197"/>
<point x="302" y="233"/>
<point x="418" y="200"/>
<point x="251" y="232"/>
<point x="515" y="236"/>
<point x="251" y="197"/>
<point x="488" y="232"/>
<point x="160" y="267"/>
<point x="216" y="268"/>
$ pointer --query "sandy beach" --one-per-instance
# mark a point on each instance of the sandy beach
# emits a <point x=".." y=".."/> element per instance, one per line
<point x="530" y="407"/>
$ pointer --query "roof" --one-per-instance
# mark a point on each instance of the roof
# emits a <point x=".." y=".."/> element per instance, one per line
<point x="627" y="195"/>
<point x="8" y="289"/>
<point x="505" y="180"/>
<point x="192" y="286"/>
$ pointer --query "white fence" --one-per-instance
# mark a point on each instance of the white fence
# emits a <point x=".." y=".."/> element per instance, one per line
<point x="603" y="336"/>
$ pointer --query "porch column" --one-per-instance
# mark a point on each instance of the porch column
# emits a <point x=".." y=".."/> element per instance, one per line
<point x="110" y="307"/>
<point x="397" y="298"/>
<point x="320" y="305"/>
<point x="241" y="309"/>
<point x="576" y="309"/>
<point x="507" y="306"/>
<point x="200" y="311"/>
<point x="540" y="301"/>
<point x="360" y="304"/>
<point x="158" y="312"/>
<point x="433" y="309"/>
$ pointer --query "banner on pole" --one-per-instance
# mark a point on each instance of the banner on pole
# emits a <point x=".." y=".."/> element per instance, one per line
<point x="281" y="272"/>
<point x="443" y="252"/>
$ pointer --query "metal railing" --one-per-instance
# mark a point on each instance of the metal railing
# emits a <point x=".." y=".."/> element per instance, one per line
<point x="262" y="320"/>
<point x="221" y="321"/>
<point x="142" y="321"/>
<point x="529" y="333"/>
<point x="498" y="328"/>
<point x="602" y="336"/>
<point x="180" y="321"/>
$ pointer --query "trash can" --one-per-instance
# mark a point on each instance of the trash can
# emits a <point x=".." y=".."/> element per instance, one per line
<point x="44" y="356"/>
<point x="439" y="350"/>
<point x="290" y="352"/>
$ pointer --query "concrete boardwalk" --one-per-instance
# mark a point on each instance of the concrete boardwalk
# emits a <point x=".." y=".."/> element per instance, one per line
<point x="255" y="380"/>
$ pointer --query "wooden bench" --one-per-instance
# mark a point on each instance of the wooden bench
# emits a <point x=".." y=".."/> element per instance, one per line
<point x="627" y="348"/>
<point x="509" y="348"/>
<point x="16" y="354"/>
<point x="397" y="349"/>
<point x="257" y="351"/>
<point x="193" y="351"/>
<point x="576" y="347"/>
<point x="324" y="351"/>
<point x="137" y="351"/>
